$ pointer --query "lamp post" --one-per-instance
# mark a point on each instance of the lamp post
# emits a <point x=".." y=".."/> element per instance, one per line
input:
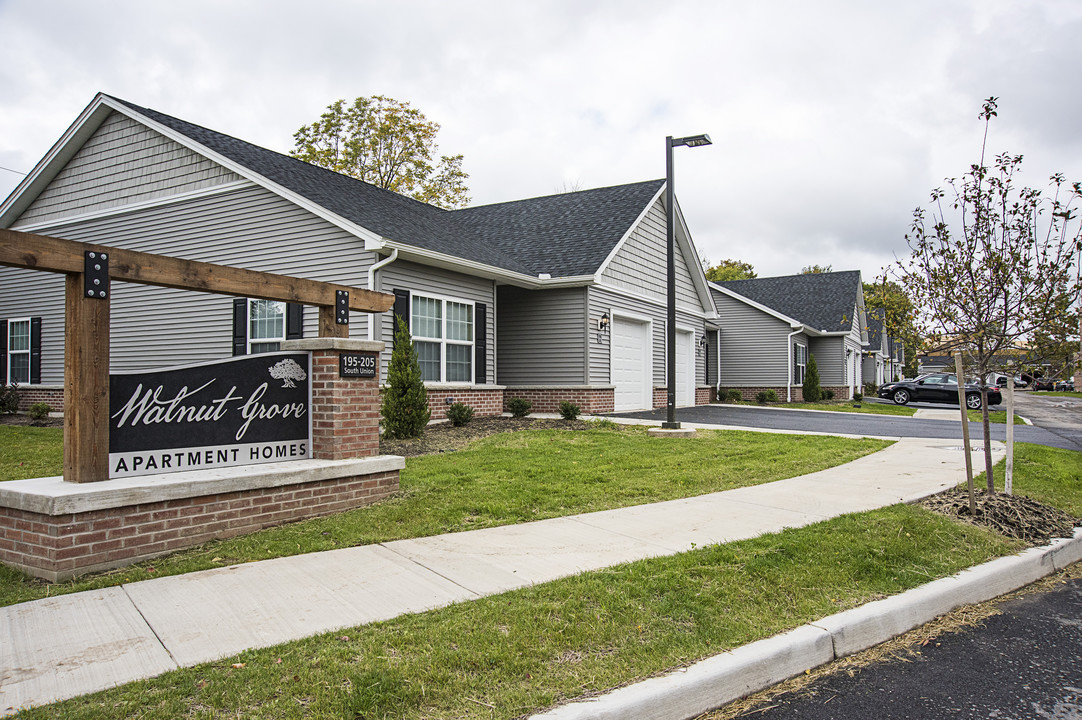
<point x="670" y="236"/>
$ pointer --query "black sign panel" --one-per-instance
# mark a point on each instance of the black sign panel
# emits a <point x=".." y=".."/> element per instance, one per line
<point x="357" y="365"/>
<point x="244" y="410"/>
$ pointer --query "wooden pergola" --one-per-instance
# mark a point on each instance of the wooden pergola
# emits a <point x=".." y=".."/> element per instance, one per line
<point x="86" y="320"/>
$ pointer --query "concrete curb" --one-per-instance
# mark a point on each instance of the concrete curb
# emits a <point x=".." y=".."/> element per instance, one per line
<point x="722" y="679"/>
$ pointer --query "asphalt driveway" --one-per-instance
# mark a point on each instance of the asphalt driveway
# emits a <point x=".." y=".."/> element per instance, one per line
<point x="852" y="423"/>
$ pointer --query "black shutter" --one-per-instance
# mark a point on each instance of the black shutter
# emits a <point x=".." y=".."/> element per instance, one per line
<point x="480" y="343"/>
<point x="3" y="352"/>
<point x="796" y="370"/>
<point x="294" y="321"/>
<point x="401" y="309"/>
<point x="240" y="326"/>
<point x="706" y="358"/>
<point x="35" y="351"/>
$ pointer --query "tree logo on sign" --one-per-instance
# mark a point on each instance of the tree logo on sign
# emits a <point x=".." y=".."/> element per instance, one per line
<point x="288" y="371"/>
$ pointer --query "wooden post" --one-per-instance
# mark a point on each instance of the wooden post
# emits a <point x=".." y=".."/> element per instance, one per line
<point x="328" y="328"/>
<point x="1008" y="482"/>
<point x="86" y="384"/>
<point x="961" y="377"/>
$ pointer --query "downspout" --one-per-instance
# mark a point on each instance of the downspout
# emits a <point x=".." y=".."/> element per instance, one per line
<point x="372" y="286"/>
<point x="789" y="363"/>
<point x="717" y="359"/>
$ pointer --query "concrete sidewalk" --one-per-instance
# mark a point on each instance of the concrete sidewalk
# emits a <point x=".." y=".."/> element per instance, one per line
<point x="71" y="645"/>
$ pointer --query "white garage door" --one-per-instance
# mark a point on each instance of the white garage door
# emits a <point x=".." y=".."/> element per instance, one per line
<point x="685" y="368"/>
<point x="629" y="365"/>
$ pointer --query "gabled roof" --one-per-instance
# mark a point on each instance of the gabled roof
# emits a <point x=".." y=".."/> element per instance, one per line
<point x="824" y="302"/>
<point x="565" y="236"/>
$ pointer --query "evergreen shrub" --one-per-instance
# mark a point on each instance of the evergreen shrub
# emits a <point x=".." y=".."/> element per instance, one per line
<point x="405" y="400"/>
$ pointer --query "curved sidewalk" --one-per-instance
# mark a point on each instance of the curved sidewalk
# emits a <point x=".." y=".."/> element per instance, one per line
<point x="61" y="647"/>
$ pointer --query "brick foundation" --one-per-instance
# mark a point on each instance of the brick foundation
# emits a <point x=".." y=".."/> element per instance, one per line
<point x="703" y="395"/>
<point x="748" y="393"/>
<point x="53" y="395"/>
<point x="57" y="547"/>
<point x="547" y="399"/>
<point x="484" y="401"/>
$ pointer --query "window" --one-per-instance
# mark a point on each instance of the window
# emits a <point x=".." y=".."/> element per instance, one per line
<point x="18" y="355"/>
<point x="800" y="363"/>
<point x="266" y="325"/>
<point x="443" y="335"/>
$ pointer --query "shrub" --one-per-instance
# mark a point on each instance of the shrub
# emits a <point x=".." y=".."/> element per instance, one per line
<point x="766" y="396"/>
<point x="812" y="391"/>
<point x="39" y="412"/>
<point x="405" y="400"/>
<point x="519" y="407"/>
<point x="9" y="399"/>
<point x="730" y="395"/>
<point x="459" y="414"/>
<point x="828" y="394"/>
<point x="569" y="410"/>
<point x="871" y="388"/>
<point x="857" y="397"/>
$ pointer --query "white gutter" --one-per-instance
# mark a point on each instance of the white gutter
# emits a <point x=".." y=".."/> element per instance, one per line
<point x="789" y="364"/>
<point x="372" y="286"/>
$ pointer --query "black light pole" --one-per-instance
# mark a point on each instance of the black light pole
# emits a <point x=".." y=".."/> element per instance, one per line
<point x="670" y="236"/>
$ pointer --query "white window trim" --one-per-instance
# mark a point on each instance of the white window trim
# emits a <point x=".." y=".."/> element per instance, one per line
<point x="802" y="366"/>
<point x="443" y="341"/>
<point x="261" y="341"/>
<point x="27" y="352"/>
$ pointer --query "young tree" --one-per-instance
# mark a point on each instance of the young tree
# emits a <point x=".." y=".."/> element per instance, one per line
<point x="405" y="400"/>
<point x="995" y="272"/>
<point x="730" y="270"/>
<point x="812" y="391"/>
<point x="387" y="143"/>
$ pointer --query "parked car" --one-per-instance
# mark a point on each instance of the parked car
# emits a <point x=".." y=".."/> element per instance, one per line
<point x="1001" y="381"/>
<point x="1065" y="386"/>
<point x="1044" y="384"/>
<point x="937" y="388"/>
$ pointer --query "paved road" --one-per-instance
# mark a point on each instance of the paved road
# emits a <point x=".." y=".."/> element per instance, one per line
<point x="860" y="424"/>
<point x="1061" y="416"/>
<point x="1019" y="665"/>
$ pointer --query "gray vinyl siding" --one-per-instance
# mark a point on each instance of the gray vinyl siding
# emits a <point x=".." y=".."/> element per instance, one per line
<point x="542" y="336"/>
<point x="437" y="282"/>
<point x="640" y="265"/>
<point x="123" y="162"/>
<point x="712" y="359"/>
<point x="829" y="355"/>
<point x="605" y="301"/>
<point x="753" y="345"/>
<point x="154" y="327"/>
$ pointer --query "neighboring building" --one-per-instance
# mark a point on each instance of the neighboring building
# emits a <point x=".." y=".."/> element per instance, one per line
<point x="877" y="353"/>
<point x="771" y="326"/>
<point x="552" y="298"/>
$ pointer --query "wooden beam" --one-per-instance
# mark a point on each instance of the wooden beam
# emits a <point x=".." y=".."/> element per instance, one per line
<point x="39" y="252"/>
<point x="86" y="384"/>
<point x="328" y="328"/>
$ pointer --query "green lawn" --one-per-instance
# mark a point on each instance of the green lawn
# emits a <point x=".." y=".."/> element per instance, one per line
<point x="512" y="654"/>
<point x="847" y="406"/>
<point x="500" y="480"/>
<point x="27" y="452"/>
<point x="1075" y="394"/>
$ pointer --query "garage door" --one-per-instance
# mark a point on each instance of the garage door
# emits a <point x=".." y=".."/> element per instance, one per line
<point x="629" y="365"/>
<point x="685" y="368"/>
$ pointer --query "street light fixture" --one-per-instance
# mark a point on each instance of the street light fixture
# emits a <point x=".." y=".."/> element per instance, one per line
<point x="670" y="233"/>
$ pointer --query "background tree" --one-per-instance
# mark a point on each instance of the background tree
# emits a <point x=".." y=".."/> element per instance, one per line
<point x="387" y="143"/>
<point x="816" y="269"/>
<point x="991" y="263"/>
<point x="730" y="270"/>
<point x="887" y="301"/>
<point x="405" y="400"/>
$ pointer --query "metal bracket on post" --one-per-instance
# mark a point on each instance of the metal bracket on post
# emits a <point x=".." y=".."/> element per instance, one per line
<point x="341" y="312"/>
<point x="96" y="275"/>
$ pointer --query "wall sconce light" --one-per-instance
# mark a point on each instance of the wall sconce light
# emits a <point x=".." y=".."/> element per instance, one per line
<point x="702" y="341"/>
<point x="603" y="323"/>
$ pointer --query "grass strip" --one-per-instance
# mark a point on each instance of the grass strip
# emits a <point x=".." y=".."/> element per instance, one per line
<point x="512" y="654"/>
<point x="846" y="406"/>
<point x="505" y="479"/>
<point x="29" y="452"/>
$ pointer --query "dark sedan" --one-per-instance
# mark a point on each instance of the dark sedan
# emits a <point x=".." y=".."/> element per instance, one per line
<point x="937" y="388"/>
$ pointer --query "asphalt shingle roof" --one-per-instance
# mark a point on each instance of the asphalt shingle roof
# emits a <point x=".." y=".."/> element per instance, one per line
<point x="564" y="235"/>
<point x="824" y="301"/>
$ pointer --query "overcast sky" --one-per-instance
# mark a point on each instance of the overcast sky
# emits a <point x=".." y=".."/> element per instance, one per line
<point x="831" y="121"/>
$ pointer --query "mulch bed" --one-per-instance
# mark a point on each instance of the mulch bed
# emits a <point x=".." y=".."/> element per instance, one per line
<point x="1011" y="515"/>
<point x="24" y="420"/>
<point x="445" y="437"/>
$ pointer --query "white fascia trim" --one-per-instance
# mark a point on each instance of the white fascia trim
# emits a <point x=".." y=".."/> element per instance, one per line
<point x="89" y="120"/>
<point x="137" y="206"/>
<point x="757" y="306"/>
<point x="634" y="226"/>
<point x="697" y="312"/>
<point x="246" y="172"/>
<point x="477" y="269"/>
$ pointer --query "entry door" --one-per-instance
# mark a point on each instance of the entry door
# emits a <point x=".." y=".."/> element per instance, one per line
<point x="685" y="368"/>
<point x="629" y="365"/>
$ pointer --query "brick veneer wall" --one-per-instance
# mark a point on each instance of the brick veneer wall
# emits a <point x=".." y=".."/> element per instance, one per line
<point x="703" y="393"/>
<point x="51" y="394"/>
<point x="345" y="411"/>
<point x="483" y="401"/>
<point x="749" y="393"/>
<point x="547" y="399"/>
<point x="57" y="547"/>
